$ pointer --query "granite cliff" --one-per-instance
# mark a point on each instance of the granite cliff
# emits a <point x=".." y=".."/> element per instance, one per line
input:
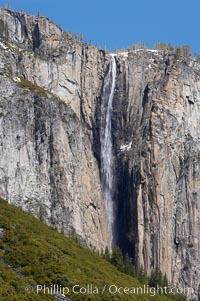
<point x="51" y="104"/>
<point x="48" y="87"/>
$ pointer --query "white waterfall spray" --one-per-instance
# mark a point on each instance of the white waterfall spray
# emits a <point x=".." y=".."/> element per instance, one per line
<point x="106" y="144"/>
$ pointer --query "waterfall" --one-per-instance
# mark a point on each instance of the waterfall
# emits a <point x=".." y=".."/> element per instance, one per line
<point x="106" y="144"/>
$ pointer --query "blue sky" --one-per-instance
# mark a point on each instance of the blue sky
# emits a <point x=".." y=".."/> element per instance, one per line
<point x="119" y="24"/>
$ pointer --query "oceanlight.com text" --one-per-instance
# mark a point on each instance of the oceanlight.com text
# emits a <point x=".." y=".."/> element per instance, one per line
<point x="112" y="289"/>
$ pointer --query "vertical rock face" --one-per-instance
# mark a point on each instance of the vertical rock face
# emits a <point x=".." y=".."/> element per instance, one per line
<point x="156" y="122"/>
<point x="49" y="84"/>
<point x="51" y="89"/>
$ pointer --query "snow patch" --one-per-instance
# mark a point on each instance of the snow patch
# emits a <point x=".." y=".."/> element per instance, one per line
<point x="124" y="54"/>
<point x="2" y="45"/>
<point x="152" y="50"/>
<point x="17" y="79"/>
<point x="125" y="147"/>
<point x="156" y="52"/>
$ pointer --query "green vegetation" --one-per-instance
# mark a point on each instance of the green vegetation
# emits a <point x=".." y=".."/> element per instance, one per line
<point x="157" y="278"/>
<point x="12" y="287"/>
<point x="7" y="6"/>
<point x="183" y="51"/>
<point x="124" y="265"/>
<point x="117" y="51"/>
<point x="32" y="253"/>
<point x="117" y="259"/>
<point x="33" y="87"/>
<point x="138" y="46"/>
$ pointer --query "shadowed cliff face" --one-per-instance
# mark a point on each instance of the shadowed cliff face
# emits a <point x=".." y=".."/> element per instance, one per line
<point x="50" y="115"/>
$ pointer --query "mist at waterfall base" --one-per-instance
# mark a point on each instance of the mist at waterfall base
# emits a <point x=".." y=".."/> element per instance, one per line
<point x="106" y="145"/>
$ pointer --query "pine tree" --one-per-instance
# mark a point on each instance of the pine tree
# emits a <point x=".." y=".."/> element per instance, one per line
<point x="127" y="264"/>
<point x="142" y="275"/>
<point x="117" y="259"/>
<point x="81" y="37"/>
<point x="160" y="46"/>
<point x="74" y="35"/>
<point x="102" y="253"/>
<point x="74" y="236"/>
<point x="178" y="51"/>
<point x="186" y="50"/>
<point x="129" y="268"/>
<point x="164" y="281"/>
<point x="107" y="254"/>
<point x="133" y="271"/>
<point x="156" y="278"/>
<point x="170" y="47"/>
<point x="8" y="6"/>
<point x="197" y="57"/>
